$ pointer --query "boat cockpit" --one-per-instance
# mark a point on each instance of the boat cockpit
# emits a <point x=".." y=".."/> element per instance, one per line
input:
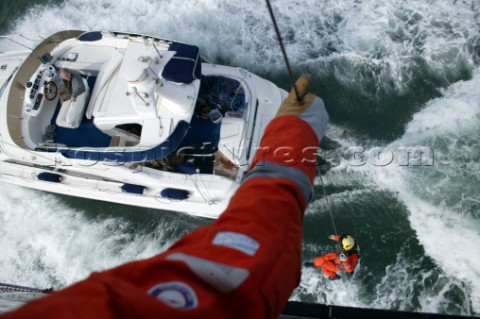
<point x="141" y="95"/>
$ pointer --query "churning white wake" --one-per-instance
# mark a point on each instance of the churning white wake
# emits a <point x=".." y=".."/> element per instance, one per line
<point x="434" y="171"/>
<point x="440" y="197"/>
<point x="46" y="243"/>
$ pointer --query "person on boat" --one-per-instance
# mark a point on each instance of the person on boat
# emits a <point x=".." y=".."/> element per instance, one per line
<point x="70" y="85"/>
<point x="343" y="260"/>
<point x="243" y="265"/>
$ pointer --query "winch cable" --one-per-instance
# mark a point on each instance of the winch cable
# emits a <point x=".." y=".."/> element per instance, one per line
<point x="284" y="53"/>
<point x="329" y="207"/>
<point x="299" y="98"/>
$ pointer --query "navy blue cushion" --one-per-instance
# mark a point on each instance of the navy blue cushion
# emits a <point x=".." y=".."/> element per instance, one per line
<point x="90" y="36"/>
<point x="135" y="155"/>
<point x="184" y="66"/>
<point x="174" y="193"/>
<point x="49" y="177"/>
<point x="132" y="188"/>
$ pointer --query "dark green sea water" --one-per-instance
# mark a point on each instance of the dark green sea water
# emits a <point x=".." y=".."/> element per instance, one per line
<point x="398" y="78"/>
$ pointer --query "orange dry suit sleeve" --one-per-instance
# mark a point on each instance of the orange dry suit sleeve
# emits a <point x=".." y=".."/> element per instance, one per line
<point x="244" y="265"/>
<point x="327" y="263"/>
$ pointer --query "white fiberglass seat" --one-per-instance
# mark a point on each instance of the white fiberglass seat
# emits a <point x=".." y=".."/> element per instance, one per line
<point x="71" y="113"/>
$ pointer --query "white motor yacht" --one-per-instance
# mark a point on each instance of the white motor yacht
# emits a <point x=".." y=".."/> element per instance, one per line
<point x="154" y="127"/>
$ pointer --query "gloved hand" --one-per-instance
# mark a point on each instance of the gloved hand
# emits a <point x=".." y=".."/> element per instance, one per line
<point x="310" y="108"/>
<point x="291" y="106"/>
<point x="331" y="237"/>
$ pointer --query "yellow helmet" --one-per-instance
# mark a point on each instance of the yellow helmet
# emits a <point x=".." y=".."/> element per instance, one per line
<point x="348" y="242"/>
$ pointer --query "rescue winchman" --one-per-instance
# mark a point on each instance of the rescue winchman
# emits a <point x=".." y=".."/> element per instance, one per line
<point x="343" y="260"/>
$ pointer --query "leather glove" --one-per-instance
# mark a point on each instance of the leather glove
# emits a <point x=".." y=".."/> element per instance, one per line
<point x="290" y="105"/>
<point x="310" y="108"/>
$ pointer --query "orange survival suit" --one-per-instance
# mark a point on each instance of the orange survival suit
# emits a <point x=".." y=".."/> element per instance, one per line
<point x="243" y="265"/>
<point x="332" y="263"/>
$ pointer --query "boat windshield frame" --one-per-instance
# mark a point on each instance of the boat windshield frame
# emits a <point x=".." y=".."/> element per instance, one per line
<point x="23" y="73"/>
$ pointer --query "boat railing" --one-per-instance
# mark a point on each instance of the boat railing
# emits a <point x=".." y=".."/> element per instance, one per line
<point x="27" y="41"/>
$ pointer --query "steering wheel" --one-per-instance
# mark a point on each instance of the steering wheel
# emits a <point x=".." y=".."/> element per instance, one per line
<point x="50" y="90"/>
